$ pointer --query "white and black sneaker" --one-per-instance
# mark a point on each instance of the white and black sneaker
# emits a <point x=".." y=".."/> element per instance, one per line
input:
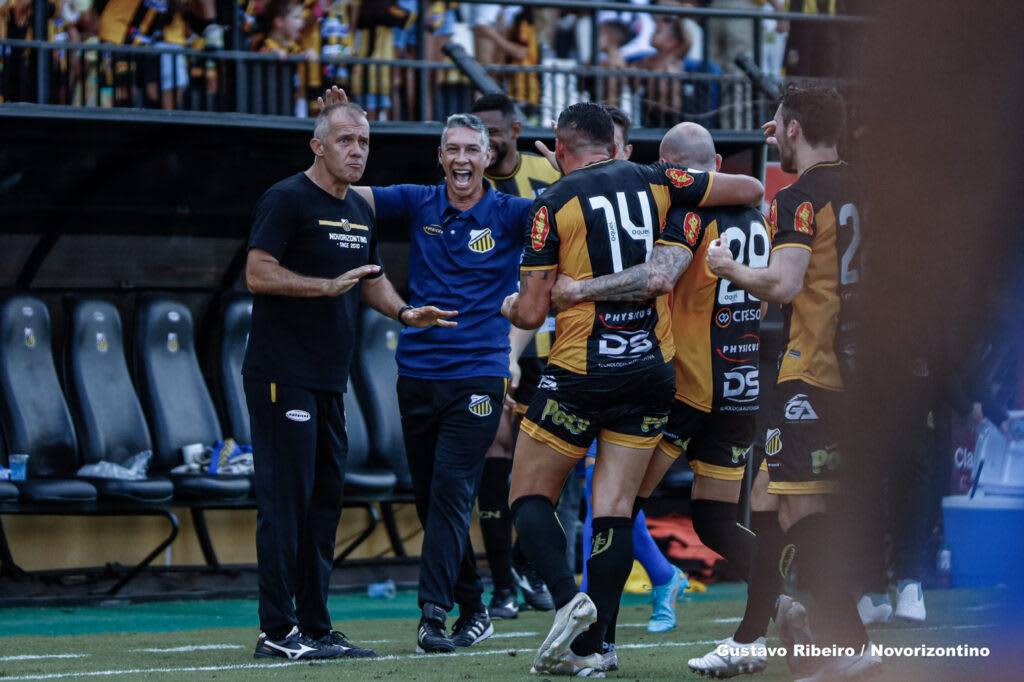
<point x="504" y="604"/>
<point x="608" y="655"/>
<point x="430" y="637"/>
<point x="570" y="620"/>
<point x="348" y="649"/>
<point x="472" y="629"/>
<point x="535" y="592"/>
<point x="297" y="645"/>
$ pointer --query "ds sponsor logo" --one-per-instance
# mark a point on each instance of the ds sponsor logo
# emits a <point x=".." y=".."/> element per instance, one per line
<point x="741" y="384"/>
<point x="297" y="415"/>
<point x="559" y="417"/>
<point x="798" y="409"/>
<point x="548" y="383"/>
<point x="625" y="344"/>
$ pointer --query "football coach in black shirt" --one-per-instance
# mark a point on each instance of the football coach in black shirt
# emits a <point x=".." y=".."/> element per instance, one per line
<point x="312" y="259"/>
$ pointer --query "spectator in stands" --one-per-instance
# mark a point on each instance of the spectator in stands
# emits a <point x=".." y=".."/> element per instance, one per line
<point x="611" y="37"/>
<point x="728" y="39"/>
<point x="307" y="292"/>
<point x="812" y="47"/>
<point x="670" y="100"/>
<point x="375" y="39"/>
<point x="285" y="22"/>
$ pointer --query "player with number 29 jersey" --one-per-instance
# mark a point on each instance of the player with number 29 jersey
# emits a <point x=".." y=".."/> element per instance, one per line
<point x="819" y="213"/>
<point x="597" y="221"/>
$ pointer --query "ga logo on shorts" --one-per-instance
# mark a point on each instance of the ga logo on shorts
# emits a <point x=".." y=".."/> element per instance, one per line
<point x="481" y="241"/>
<point x="798" y="409"/>
<point x="773" y="442"/>
<point x="480" y="405"/>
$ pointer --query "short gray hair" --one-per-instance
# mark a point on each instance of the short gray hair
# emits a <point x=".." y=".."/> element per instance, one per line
<point x="323" y="119"/>
<point x="465" y="121"/>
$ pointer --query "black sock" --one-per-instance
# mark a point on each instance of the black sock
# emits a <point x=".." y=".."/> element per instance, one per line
<point x="824" y="573"/>
<point x="716" y="526"/>
<point x="611" y="559"/>
<point x="638" y="506"/>
<point x="764" y="581"/>
<point x="609" y="633"/>
<point x="542" y="542"/>
<point x="496" y="520"/>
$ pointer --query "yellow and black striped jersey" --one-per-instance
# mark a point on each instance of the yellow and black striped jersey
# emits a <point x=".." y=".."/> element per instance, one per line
<point x="134" y="22"/>
<point x="715" y="325"/>
<point x="819" y="212"/>
<point x="597" y="221"/>
<point x="532" y="175"/>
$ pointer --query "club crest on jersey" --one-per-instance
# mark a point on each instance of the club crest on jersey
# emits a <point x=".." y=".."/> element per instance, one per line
<point x="773" y="220"/>
<point x="539" y="230"/>
<point x="481" y="241"/>
<point x="679" y="178"/>
<point x="773" y="442"/>
<point x="803" y="218"/>
<point x="691" y="228"/>
<point x="480" y="405"/>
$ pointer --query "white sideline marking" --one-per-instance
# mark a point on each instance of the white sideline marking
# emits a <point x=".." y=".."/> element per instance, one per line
<point x="288" y="664"/>
<point x="727" y="620"/>
<point x="197" y="647"/>
<point x="30" y="657"/>
<point x="500" y="635"/>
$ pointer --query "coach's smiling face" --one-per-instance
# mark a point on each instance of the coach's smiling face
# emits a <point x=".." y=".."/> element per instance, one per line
<point x="464" y="157"/>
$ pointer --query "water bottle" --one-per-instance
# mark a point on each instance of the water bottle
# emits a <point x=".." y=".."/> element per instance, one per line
<point x="382" y="590"/>
<point x="944" y="566"/>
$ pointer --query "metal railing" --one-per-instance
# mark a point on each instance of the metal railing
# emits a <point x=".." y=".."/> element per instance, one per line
<point x="109" y="76"/>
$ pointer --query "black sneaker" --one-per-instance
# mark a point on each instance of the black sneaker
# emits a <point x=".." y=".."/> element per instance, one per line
<point x="472" y="629"/>
<point x="295" y="646"/>
<point x="348" y="649"/>
<point x="535" y="592"/>
<point x="430" y="638"/>
<point x="504" y="604"/>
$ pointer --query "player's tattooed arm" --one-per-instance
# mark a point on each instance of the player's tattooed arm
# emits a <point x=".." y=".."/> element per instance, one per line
<point x="638" y="283"/>
<point x="528" y="308"/>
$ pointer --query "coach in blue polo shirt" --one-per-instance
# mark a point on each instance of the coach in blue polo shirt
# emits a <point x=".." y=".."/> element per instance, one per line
<point x="466" y="243"/>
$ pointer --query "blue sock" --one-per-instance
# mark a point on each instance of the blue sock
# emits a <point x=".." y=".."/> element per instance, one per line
<point x="588" y="524"/>
<point x="647" y="553"/>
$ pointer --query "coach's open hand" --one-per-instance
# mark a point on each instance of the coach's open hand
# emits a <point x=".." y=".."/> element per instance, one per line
<point x="344" y="282"/>
<point x="428" y="315"/>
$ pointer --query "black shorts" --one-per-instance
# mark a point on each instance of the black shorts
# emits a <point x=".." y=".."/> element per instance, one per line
<point x="801" y="446"/>
<point x="570" y="410"/>
<point x="531" y="369"/>
<point x="717" y="444"/>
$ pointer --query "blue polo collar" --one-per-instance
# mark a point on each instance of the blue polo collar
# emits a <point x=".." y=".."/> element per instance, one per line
<point x="480" y="211"/>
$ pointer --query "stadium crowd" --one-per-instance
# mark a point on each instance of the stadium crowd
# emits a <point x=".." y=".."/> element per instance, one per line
<point x="655" y="67"/>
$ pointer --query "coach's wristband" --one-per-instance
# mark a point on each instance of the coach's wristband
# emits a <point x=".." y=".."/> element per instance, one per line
<point x="402" y="310"/>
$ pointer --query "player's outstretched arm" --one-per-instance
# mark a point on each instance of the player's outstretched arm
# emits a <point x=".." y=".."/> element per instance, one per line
<point x="264" y="274"/>
<point x="780" y="282"/>
<point x="638" y="283"/>
<point x="734" y="190"/>
<point x="528" y="308"/>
